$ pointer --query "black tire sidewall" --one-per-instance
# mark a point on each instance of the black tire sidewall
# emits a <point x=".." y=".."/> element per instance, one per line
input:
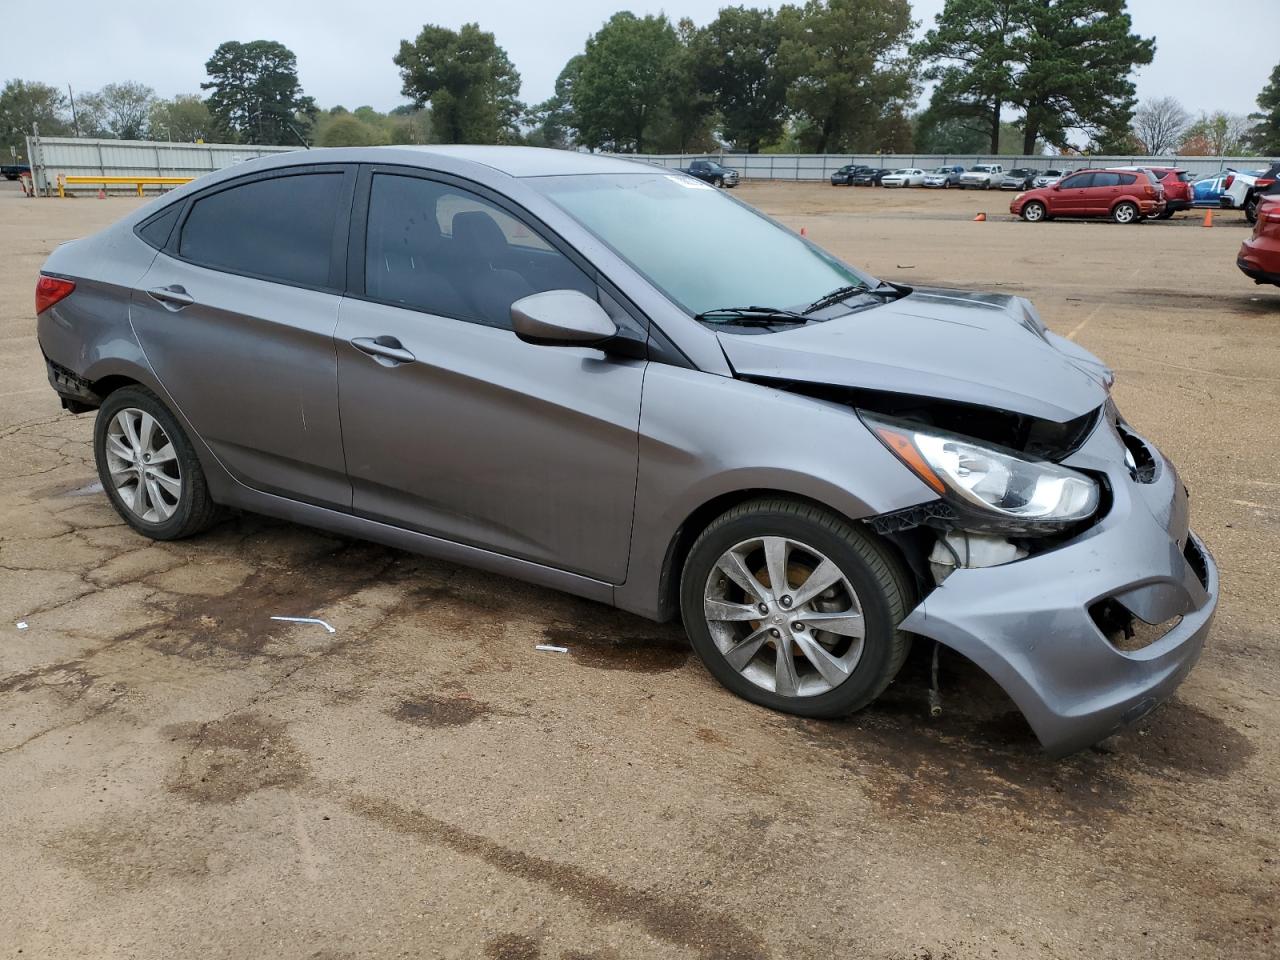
<point x="868" y="678"/>
<point x="192" y="476"/>
<point x="1043" y="211"/>
<point x="1115" y="214"/>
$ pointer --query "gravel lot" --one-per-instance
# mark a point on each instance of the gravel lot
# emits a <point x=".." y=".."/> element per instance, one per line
<point x="181" y="776"/>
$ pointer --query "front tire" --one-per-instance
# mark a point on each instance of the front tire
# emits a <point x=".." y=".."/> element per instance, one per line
<point x="1125" y="212"/>
<point x="827" y="643"/>
<point x="1033" y="211"/>
<point x="149" y="468"/>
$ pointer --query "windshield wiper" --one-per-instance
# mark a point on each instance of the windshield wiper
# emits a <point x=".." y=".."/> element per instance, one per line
<point x="751" y="316"/>
<point x="881" y="289"/>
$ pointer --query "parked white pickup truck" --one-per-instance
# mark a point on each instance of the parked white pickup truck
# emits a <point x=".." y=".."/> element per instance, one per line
<point x="982" y="176"/>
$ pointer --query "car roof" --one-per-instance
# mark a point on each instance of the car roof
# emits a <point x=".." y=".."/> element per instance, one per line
<point x="513" y="161"/>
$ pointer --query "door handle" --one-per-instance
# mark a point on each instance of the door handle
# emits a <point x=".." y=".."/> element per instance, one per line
<point x="388" y="351"/>
<point x="175" y="297"/>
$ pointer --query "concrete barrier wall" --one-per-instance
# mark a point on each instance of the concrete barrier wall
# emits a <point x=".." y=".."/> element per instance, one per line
<point x="81" y="157"/>
<point x="820" y="166"/>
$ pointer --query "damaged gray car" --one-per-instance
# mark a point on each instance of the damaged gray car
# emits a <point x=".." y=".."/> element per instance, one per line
<point x="616" y="381"/>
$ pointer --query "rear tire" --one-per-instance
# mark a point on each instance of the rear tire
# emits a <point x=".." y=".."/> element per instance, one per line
<point x="1165" y="214"/>
<point x="1251" y="209"/>
<point x="777" y="650"/>
<point x="1125" y="212"/>
<point x="138" y="443"/>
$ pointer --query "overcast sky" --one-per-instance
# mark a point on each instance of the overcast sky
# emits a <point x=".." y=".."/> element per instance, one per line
<point x="344" y="49"/>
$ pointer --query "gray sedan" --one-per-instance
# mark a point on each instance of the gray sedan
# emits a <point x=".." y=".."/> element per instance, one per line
<point x="617" y="381"/>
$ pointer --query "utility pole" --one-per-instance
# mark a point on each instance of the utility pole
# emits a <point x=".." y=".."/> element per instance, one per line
<point x="75" y="120"/>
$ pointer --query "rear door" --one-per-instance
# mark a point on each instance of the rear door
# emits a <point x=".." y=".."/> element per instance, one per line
<point x="236" y="317"/>
<point x="1106" y="190"/>
<point x="452" y="425"/>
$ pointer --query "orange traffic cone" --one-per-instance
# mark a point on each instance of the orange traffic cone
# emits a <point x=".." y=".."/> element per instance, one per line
<point x="980" y="218"/>
<point x="1208" y="217"/>
<point x="102" y="194"/>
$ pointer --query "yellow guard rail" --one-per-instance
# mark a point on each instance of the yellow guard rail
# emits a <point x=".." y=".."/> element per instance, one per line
<point x="140" y="182"/>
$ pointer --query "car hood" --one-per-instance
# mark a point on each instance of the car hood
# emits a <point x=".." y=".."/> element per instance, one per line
<point x="985" y="349"/>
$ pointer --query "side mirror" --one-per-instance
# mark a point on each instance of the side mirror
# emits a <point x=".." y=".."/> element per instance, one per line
<point x="562" y="318"/>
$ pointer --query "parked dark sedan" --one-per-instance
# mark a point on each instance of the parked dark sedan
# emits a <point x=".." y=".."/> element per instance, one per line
<point x="616" y="381"/>
<point x="870" y="176"/>
<point x="846" y="174"/>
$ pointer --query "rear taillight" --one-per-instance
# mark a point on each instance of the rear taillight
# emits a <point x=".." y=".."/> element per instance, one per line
<point x="1226" y="184"/>
<point x="1263" y="183"/>
<point x="49" y="290"/>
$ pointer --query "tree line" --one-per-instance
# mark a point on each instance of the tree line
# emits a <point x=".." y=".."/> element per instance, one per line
<point x="1008" y="76"/>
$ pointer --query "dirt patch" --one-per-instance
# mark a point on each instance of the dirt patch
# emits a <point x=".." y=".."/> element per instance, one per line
<point x="605" y="639"/>
<point x="982" y="756"/>
<point x="512" y="946"/>
<point x="132" y="852"/>
<point x="431" y="711"/>
<point x="233" y="757"/>
<point x="712" y="935"/>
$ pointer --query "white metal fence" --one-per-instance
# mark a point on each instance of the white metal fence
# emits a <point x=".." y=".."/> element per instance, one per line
<point x="820" y="166"/>
<point x="81" y="157"/>
<point x="71" y="156"/>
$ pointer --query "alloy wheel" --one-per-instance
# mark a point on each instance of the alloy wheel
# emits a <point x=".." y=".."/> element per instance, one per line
<point x="143" y="465"/>
<point x="784" y="616"/>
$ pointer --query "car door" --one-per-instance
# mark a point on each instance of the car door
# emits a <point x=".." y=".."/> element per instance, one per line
<point x="1070" y="198"/>
<point x="452" y="425"/>
<point x="236" y="317"/>
<point x="1103" y="192"/>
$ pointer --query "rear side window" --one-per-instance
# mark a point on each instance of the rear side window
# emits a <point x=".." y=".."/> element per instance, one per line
<point x="1079" y="180"/>
<point x="279" y="229"/>
<point x="1106" y="180"/>
<point x="156" y="230"/>
<point x="444" y="250"/>
<point x="1126" y="179"/>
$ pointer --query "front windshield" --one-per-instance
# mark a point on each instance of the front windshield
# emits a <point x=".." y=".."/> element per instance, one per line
<point x="703" y="249"/>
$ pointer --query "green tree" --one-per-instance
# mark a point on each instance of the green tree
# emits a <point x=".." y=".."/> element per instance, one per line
<point x="1265" y="135"/>
<point x="118" y="110"/>
<point x="619" y="96"/>
<point x="552" y="120"/>
<point x="690" y="104"/>
<point x="1217" y="134"/>
<point x="850" y="67"/>
<point x="738" y="53"/>
<point x="1064" y="64"/>
<point x="969" y="55"/>
<point x="23" y="104"/>
<point x="184" y="119"/>
<point x="345" y="130"/>
<point x="254" y="94"/>
<point x="467" y="79"/>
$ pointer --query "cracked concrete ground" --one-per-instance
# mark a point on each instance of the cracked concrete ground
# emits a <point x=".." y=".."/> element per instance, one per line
<point x="181" y="776"/>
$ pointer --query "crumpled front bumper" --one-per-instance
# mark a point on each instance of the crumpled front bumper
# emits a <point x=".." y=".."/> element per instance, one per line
<point x="1028" y="623"/>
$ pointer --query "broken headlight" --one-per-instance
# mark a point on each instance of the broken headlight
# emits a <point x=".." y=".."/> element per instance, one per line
<point x="993" y="488"/>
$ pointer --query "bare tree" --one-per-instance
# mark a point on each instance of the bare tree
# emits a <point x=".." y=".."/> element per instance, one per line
<point x="1217" y="134"/>
<point x="1160" y="124"/>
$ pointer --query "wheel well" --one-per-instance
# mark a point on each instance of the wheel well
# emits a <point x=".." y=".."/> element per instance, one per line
<point x="110" y="384"/>
<point x="701" y="518"/>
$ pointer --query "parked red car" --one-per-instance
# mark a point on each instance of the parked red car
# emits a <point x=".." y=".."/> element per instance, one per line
<point x="1126" y="196"/>
<point x="1178" y="194"/>
<point x="1259" y="256"/>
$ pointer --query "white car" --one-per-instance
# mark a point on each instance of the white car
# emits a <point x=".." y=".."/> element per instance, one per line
<point x="907" y="177"/>
<point x="982" y="176"/>
<point x="1049" y="178"/>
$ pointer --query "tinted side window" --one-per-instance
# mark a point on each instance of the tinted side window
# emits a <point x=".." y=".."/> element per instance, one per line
<point x="1106" y="180"/>
<point x="156" y="230"/>
<point x="1127" y="178"/>
<point x="447" y="251"/>
<point x="1078" y="181"/>
<point x="281" y="228"/>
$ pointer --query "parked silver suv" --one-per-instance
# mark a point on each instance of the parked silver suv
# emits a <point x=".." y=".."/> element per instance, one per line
<point x="617" y="381"/>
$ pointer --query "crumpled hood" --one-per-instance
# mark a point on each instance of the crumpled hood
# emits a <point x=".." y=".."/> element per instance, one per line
<point x="985" y="349"/>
